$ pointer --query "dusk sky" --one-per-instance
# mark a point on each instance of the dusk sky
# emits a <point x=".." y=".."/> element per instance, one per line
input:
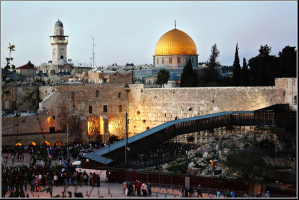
<point x="127" y="32"/>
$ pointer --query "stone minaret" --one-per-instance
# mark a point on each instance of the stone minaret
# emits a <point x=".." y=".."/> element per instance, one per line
<point x="58" y="42"/>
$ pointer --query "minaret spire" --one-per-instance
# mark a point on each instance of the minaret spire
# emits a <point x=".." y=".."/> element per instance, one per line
<point x="174" y="24"/>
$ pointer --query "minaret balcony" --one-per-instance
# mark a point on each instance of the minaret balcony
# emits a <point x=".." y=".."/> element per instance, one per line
<point x="59" y="41"/>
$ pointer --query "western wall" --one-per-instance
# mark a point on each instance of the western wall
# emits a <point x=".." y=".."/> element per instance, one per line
<point x="149" y="107"/>
<point x="146" y="107"/>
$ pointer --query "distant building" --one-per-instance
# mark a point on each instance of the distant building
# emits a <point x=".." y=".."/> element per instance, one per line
<point x="27" y="70"/>
<point x="101" y="77"/>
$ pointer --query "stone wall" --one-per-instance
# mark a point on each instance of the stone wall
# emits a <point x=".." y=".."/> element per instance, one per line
<point x="31" y="124"/>
<point x="289" y="85"/>
<point x="146" y="107"/>
<point x="151" y="107"/>
<point x="16" y="94"/>
<point x="44" y="91"/>
<point x="86" y="100"/>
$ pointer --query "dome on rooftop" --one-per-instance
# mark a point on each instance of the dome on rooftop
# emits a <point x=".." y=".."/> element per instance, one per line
<point x="58" y="23"/>
<point x="175" y="42"/>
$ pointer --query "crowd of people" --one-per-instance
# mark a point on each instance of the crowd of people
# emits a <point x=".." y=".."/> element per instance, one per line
<point x="138" y="188"/>
<point x="23" y="178"/>
<point x="74" y="149"/>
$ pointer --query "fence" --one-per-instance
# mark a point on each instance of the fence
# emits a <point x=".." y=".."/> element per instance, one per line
<point x="174" y="182"/>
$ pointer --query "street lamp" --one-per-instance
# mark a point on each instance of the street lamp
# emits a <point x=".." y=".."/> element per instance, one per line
<point x="212" y="167"/>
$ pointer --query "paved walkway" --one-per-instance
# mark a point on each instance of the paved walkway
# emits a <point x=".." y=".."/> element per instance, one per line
<point x="106" y="190"/>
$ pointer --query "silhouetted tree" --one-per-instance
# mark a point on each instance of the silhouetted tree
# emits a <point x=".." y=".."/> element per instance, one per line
<point x="237" y="68"/>
<point x="259" y="66"/>
<point x="163" y="77"/>
<point x="244" y="74"/>
<point x="212" y="63"/>
<point x="188" y="77"/>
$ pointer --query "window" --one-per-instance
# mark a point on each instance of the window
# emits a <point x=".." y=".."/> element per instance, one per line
<point x="73" y="95"/>
<point x="105" y="108"/>
<point x="121" y="79"/>
<point x="157" y="60"/>
<point x="53" y="117"/>
<point x="113" y="79"/>
<point x="170" y="60"/>
<point x="119" y="95"/>
<point x="179" y="59"/>
<point x="6" y="104"/>
<point x="90" y="109"/>
<point x="192" y="59"/>
<point x="73" y="109"/>
<point x="14" y="105"/>
<point x="120" y="107"/>
<point x="295" y="100"/>
<point x="162" y="60"/>
<point x="61" y="57"/>
<point x="97" y="93"/>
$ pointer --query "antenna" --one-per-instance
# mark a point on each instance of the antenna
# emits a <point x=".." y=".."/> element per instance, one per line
<point x="93" y="52"/>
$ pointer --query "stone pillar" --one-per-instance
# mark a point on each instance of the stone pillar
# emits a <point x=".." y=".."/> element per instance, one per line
<point x="104" y="132"/>
<point x="84" y="124"/>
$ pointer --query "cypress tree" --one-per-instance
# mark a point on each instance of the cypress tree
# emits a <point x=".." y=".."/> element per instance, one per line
<point x="237" y="68"/>
<point x="245" y="74"/>
<point x="188" y="77"/>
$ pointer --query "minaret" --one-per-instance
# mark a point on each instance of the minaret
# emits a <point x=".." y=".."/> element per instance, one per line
<point x="59" y="42"/>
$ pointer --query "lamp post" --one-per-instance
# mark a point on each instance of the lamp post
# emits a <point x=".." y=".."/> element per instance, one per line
<point x="212" y="168"/>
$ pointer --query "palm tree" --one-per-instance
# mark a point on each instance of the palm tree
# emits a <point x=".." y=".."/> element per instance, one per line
<point x="163" y="77"/>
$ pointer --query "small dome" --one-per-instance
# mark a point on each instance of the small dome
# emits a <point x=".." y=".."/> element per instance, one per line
<point x="58" y="23"/>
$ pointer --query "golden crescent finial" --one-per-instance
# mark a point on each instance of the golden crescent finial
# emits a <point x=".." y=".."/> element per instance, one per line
<point x="174" y="24"/>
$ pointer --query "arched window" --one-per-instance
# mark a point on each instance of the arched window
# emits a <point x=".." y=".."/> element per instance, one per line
<point x="119" y="95"/>
<point x="73" y="95"/>
<point x="97" y="93"/>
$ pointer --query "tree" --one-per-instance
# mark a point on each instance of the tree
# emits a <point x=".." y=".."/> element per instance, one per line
<point x="211" y="76"/>
<point x="249" y="162"/>
<point x="163" y="77"/>
<point x="237" y="68"/>
<point x="244" y="74"/>
<point x="8" y="68"/>
<point x="212" y="63"/>
<point x="188" y="77"/>
<point x="287" y="58"/>
<point x="260" y="67"/>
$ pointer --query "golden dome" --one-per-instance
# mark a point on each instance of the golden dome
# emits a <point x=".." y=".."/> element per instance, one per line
<point x="175" y="42"/>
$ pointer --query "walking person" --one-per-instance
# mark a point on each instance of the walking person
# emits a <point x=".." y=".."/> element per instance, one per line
<point x="218" y="194"/>
<point x="232" y="194"/>
<point x="227" y="193"/>
<point x="186" y="192"/>
<point x="149" y="189"/>
<point x="267" y="195"/>
<point x="199" y="191"/>
<point x="182" y="192"/>
<point x="33" y="185"/>
<point x="258" y="194"/>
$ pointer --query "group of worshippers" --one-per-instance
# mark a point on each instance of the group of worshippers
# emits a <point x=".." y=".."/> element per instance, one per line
<point x="185" y="192"/>
<point x="142" y="189"/>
